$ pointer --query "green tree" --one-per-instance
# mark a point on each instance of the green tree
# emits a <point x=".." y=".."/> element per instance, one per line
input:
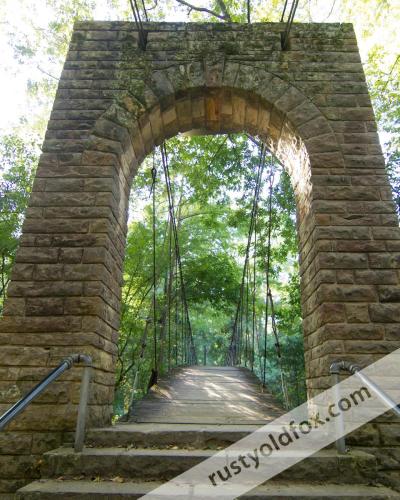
<point x="18" y="160"/>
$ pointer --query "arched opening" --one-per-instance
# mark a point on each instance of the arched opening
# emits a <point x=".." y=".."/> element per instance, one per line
<point x="224" y="245"/>
<point x="129" y="132"/>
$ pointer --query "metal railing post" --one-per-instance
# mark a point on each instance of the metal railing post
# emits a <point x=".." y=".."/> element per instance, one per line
<point x="65" y="365"/>
<point x="354" y="369"/>
<point x="20" y="405"/>
<point x="83" y="403"/>
<point x="339" y="422"/>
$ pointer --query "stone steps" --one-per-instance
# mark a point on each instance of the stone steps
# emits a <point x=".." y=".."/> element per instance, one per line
<point x="65" y="490"/>
<point x="167" y="435"/>
<point x="130" y="459"/>
<point x="165" y="464"/>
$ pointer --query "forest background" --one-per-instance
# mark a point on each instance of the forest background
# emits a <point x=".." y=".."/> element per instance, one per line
<point x="213" y="180"/>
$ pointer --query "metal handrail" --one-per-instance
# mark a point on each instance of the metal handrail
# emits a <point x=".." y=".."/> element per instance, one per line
<point x="65" y="365"/>
<point x="335" y="369"/>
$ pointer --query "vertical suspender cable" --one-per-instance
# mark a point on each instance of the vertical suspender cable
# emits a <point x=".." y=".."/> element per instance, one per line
<point x="254" y="277"/>
<point x="278" y="351"/>
<point x="176" y="313"/>
<point x="154" y="372"/>
<point x="232" y="351"/>
<point x="267" y="274"/>
<point x="186" y="317"/>
<point x="145" y="11"/>
<point x="170" y="279"/>
<point x="183" y="330"/>
<point x="241" y="330"/>
<point x="289" y="22"/>
<point x="138" y="21"/>
<point x="284" y="11"/>
<point x="247" y="322"/>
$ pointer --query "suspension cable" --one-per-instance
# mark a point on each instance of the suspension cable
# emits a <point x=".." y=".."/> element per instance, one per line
<point x="170" y="278"/>
<point x="154" y="371"/>
<point x="192" y="352"/>
<point x="241" y="332"/>
<point x="267" y="274"/>
<point x="232" y="352"/>
<point x="142" y="351"/>
<point x="139" y="23"/>
<point x="289" y="21"/>
<point x="284" y="11"/>
<point x="146" y="16"/>
<point x="254" y="277"/>
<point x="278" y="351"/>
<point x="247" y="323"/>
<point x="269" y="302"/>
<point x="176" y="313"/>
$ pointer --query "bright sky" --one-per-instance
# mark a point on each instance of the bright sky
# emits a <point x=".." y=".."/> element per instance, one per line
<point x="14" y="77"/>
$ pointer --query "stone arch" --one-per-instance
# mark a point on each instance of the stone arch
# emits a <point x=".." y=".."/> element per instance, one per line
<point x="218" y="100"/>
<point x="112" y="107"/>
<point x="175" y="101"/>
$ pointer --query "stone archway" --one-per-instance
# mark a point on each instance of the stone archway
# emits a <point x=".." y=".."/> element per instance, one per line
<point x="114" y="104"/>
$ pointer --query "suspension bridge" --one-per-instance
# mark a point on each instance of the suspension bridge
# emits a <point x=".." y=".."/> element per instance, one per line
<point x="125" y="88"/>
<point x="174" y="344"/>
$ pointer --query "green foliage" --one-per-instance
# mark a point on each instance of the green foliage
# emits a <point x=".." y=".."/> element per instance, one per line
<point x="385" y="92"/>
<point x="213" y="182"/>
<point x="18" y="160"/>
<point x="292" y="368"/>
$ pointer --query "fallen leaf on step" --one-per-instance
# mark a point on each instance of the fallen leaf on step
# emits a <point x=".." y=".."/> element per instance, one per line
<point x="117" y="479"/>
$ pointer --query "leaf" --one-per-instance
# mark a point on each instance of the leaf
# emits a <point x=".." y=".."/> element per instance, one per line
<point x="117" y="479"/>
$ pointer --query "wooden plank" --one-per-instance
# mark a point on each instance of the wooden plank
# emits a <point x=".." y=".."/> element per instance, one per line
<point x="207" y="395"/>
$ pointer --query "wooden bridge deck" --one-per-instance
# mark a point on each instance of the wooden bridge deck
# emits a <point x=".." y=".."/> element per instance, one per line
<point x="207" y="395"/>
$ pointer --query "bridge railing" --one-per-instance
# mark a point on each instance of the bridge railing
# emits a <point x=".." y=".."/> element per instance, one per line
<point x="354" y="369"/>
<point x="65" y="365"/>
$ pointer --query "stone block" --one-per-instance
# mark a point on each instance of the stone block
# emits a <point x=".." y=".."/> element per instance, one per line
<point x="15" y="443"/>
<point x="383" y="277"/>
<point x="352" y="331"/>
<point x="83" y="306"/>
<point x="44" y="288"/>
<point x="14" y="307"/>
<point x="384" y="260"/>
<point x="37" y="255"/>
<point x="70" y="255"/>
<point x="389" y="293"/>
<point x="44" y="306"/>
<point x="347" y="293"/>
<point x="357" y="313"/>
<point x="385" y="313"/>
<point x="345" y="276"/>
<point x="341" y="260"/>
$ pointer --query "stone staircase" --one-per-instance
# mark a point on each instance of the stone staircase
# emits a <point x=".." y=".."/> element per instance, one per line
<point x="128" y="460"/>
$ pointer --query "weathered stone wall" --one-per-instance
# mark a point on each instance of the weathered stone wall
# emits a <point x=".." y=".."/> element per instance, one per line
<point x="114" y="103"/>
